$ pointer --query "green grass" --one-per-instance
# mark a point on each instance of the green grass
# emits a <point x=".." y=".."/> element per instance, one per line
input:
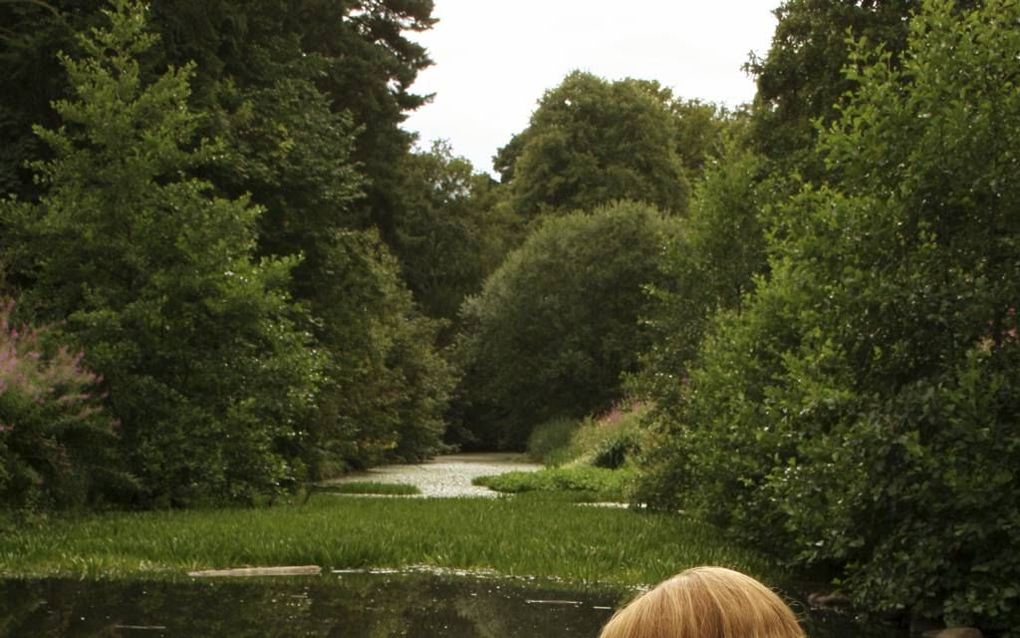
<point x="579" y="482"/>
<point x="581" y="545"/>
<point x="369" y="487"/>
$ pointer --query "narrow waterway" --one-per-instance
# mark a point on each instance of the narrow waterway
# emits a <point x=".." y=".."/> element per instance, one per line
<point x="446" y="476"/>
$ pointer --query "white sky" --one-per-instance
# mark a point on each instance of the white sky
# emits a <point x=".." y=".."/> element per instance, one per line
<point x="494" y="59"/>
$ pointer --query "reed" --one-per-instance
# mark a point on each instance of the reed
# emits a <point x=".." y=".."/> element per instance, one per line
<point x="542" y="539"/>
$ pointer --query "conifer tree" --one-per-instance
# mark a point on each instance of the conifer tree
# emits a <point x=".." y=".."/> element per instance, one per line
<point x="155" y="279"/>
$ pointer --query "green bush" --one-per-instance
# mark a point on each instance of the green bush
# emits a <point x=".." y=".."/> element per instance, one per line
<point x="57" y="441"/>
<point x="549" y="442"/>
<point x="610" y="440"/>
<point x="596" y="483"/>
<point x="370" y="487"/>
<point x="557" y="324"/>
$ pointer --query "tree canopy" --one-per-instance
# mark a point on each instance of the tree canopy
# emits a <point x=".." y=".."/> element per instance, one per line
<point x="858" y="413"/>
<point x="590" y="142"/>
<point x="194" y="339"/>
<point x="202" y="217"/>
<point x="556" y="325"/>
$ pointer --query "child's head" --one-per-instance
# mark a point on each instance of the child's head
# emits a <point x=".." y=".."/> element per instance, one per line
<point x="706" y="602"/>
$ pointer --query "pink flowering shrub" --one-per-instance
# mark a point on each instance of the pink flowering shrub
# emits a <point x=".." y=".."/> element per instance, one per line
<point x="56" y="440"/>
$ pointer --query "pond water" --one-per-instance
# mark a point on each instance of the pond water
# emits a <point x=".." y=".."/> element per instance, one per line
<point x="333" y="605"/>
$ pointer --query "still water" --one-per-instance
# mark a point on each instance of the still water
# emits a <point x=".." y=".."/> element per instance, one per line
<point x="335" y="605"/>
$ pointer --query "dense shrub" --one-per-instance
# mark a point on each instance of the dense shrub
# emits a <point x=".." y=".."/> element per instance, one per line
<point x="385" y="387"/>
<point x="611" y="439"/>
<point x="549" y="442"/>
<point x="860" y="413"/>
<point x="557" y="324"/>
<point x="57" y="442"/>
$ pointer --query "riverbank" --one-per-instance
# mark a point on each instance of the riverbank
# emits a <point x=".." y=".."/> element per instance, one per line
<point x="515" y="537"/>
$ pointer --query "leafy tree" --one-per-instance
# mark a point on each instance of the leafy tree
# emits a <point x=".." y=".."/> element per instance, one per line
<point x="310" y="97"/>
<point x="556" y="325"/>
<point x="154" y="277"/>
<point x="452" y="233"/>
<point x="591" y="142"/>
<point x="801" y="78"/>
<point x="31" y="34"/>
<point x="860" y="413"/>
<point x="701" y="134"/>
<point x="708" y="267"/>
<point x="386" y="387"/>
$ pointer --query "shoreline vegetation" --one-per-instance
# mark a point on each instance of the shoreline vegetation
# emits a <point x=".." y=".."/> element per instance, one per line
<point x="594" y="547"/>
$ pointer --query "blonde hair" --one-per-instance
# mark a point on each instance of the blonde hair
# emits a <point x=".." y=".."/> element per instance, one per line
<point x="706" y="602"/>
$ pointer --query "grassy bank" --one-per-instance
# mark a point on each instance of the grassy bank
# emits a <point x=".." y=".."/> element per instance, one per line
<point x="581" y="483"/>
<point x="534" y="538"/>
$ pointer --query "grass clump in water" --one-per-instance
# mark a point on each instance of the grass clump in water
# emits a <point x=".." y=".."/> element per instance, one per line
<point x="544" y="539"/>
<point x="370" y="487"/>
<point x="584" y="482"/>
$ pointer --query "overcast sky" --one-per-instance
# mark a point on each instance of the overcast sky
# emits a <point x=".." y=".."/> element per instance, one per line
<point x="494" y="59"/>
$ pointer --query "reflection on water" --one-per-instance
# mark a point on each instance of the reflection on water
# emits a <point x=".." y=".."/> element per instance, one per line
<point x="355" y="605"/>
<point x="348" y="605"/>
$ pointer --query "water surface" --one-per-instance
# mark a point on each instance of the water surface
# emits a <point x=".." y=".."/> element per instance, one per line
<point x="347" y="605"/>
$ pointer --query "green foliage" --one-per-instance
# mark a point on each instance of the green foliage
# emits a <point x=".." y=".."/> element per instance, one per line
<point x="385" y="389"/>
<point x="859" y="413"/>
<point x="451" y="234"/>
<point x="355" y="55"/>
<point x="607" y="441"/>
<point x="195" y="342"/>
<point x="591" y="142"/>
<point x="549" y="442"/>
<point x="288" y="151"/>
<point x="708" y="267"/>
<point x="612" y="439"/>
<point x="556" y="325"/>
<point x="593" y="483"/>
<point x="370" y="487"/>
<point x="701" y="130"/>
<point x="801" y="77"/>
<point x="57" y="442"/>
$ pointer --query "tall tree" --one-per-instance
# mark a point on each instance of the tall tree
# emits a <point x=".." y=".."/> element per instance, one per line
<point x="452" y="233"/>
<point x="711" y="266"/>
<point x="591" y="142"/>
<point x="385" y="387"/>
<point x="800" y="79"/>
<point x="153" y="276"/>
